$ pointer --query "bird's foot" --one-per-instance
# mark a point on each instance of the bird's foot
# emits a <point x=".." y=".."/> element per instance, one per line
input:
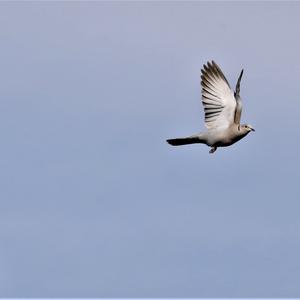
<point x="212" y="150"/>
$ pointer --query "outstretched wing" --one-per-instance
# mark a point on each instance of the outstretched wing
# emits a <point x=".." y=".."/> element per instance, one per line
<point x="238" y="110"/>
<point x="217" y="97"/>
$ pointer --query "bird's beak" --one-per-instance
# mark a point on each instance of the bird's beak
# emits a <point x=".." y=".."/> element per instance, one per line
<point x="252" y="129"/>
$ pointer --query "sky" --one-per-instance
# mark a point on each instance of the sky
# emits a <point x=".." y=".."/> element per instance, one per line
<point x="95" y="203"/>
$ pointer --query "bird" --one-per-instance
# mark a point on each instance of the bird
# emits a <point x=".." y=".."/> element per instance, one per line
<point x="222" y="111"/>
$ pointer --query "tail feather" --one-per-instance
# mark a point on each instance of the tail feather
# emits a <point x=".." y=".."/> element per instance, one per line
<point x="185" y="141"/>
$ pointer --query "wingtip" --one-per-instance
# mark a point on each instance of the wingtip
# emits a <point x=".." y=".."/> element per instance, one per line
<point x="240" y="77"/>
<point x="208" y="65"/>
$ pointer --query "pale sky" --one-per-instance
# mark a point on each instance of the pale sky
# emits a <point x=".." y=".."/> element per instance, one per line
<point x="95" y="203"/>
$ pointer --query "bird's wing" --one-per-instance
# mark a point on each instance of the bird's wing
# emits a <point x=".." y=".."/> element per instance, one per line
<point x="217" y="97"/>
<point x="238" y="110"/>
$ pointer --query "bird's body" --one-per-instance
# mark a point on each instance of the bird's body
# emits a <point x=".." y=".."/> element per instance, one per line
<point x="213" y="138"/>
<point x="222" y="108"/>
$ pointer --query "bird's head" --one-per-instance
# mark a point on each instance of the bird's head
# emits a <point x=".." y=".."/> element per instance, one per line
<point x="246" y="128"/>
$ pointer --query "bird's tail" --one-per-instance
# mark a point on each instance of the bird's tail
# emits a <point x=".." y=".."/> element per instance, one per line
<point x="194" y="139"/>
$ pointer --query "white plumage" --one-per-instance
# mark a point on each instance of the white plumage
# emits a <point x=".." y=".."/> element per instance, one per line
<point x="217" y="98"/>
<point x="222" y="108"/>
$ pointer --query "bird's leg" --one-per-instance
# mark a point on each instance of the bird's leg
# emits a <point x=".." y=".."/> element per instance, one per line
<point x="212" y="150"/>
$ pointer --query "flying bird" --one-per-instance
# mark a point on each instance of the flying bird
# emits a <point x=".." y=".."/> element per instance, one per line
<point x="222" y="108"/>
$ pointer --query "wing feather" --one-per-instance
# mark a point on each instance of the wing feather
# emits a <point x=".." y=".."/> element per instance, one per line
<point x="238" y="110"/>
<point x="217" y="97"/>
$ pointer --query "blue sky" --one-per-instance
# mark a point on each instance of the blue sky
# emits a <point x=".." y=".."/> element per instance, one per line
<point x="95" y="203"/>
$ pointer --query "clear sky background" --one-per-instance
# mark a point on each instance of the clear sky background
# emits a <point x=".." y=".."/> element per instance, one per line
<point x="95" y="203"/>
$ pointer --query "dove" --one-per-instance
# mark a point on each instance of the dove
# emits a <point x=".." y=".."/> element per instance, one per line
<point x="222" y="110"/>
